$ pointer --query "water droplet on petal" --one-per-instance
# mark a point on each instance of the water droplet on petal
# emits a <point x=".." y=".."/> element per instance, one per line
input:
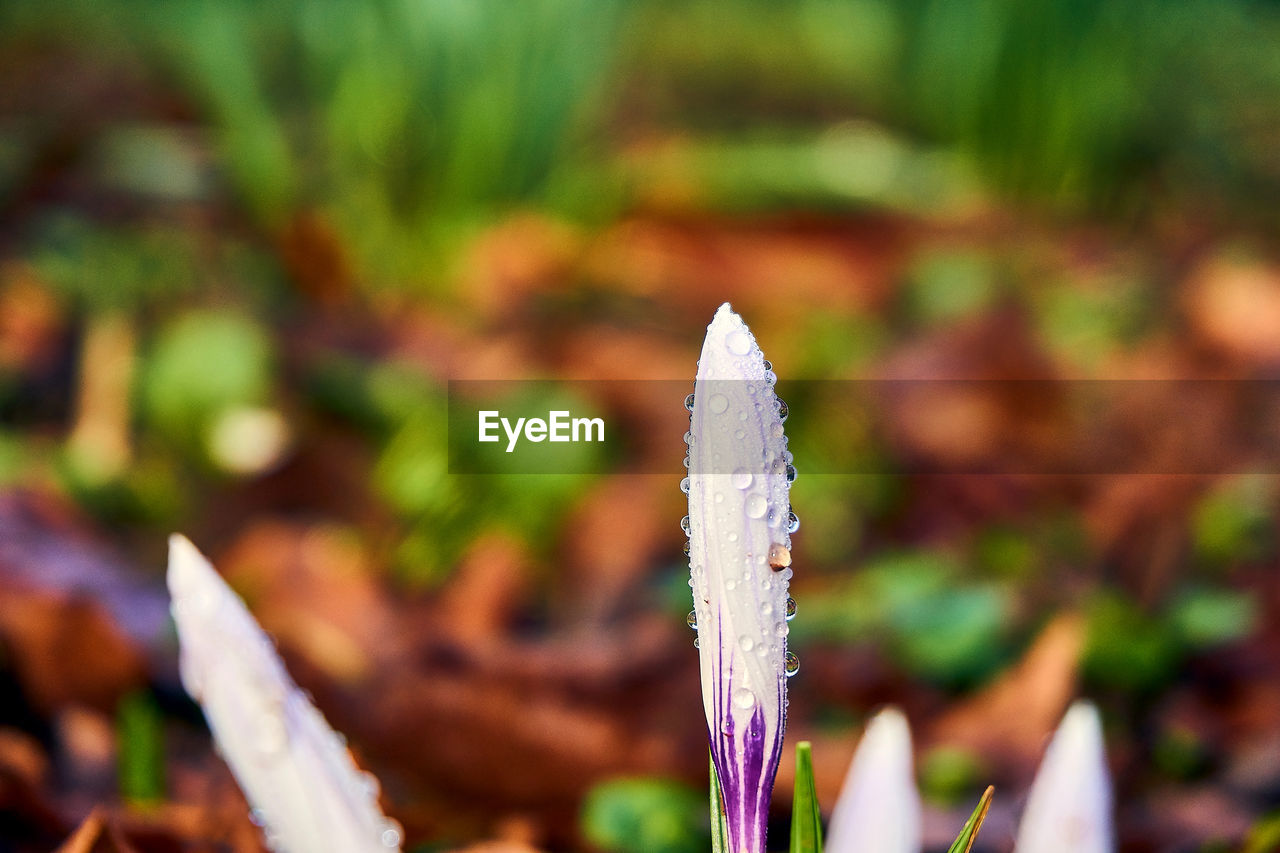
<point x="685" y="525"/>
<point x="391" y="835"/>
<point x="756" y="506"/>
<point x="744" y="698"/>
<point x="791" y="473"/>
<point x="696" y="644"/>
<point x="718" y="403"/>
<point x="739" y="343"/>
<point x="692" y="619"/>
<point x="791" y="609"/>
<point x="793" y="522"/>
<point x="783" y="410"/>
<point x="770" y="377"/>
<point x="688" y="402"/>
<point x="746" y="643"/>
<point x="791" y="664"/>
<point x="687" y="547"/>
<point x="739" y="434"/>
<point x="684" y="485"/>
<point x="740" y="478"/>
<point x="719" y="497"/>
<point x="779" y="556"/>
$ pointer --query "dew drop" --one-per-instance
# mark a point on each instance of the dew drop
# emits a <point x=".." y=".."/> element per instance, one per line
<point x="742" y="415"/>
<point x="687" y="547"/>
<point x="739" y="434"/>
<point x="390" y="836"/>
<point x="730" y="583"/>
<point x="688" y="402"/>
<point x="791" y="609"/>
<point x="740" y="478"/>
<point x="686" y="460"/>
<point x="777" y="430"/>
<point x="791" y="664"/>
<point x="770" y="377"/>
<point x="732" y="537"/>
<point x="685" y="525"/>
<point x="369" y="786"/>
<point x="746" y="643"/>
<point x="791" y="473"/>
<point x="756" y="506"/>
<point x="739" y="343"/>
<point x="719" y="498"/>
<point x="718" y="403"/>
<point x="692" y="619"/>
<point x="783" y="410"/>
<point x="744" y="698"/>
<point x="766" y="608"/>
<point x="793" y="522"/>
<point x="779" y="556"/>
<point x="786" y="574"/>
<point x="696" y="644"/>
<point x="772" y="517"/>
<point x="688" y="437"/>
<point x="768" y="365"/>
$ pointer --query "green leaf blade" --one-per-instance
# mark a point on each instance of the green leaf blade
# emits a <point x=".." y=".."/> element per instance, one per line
<point x="964" y="842"/>
<point x="719" y="823"/>
<point x="806" y="818"/>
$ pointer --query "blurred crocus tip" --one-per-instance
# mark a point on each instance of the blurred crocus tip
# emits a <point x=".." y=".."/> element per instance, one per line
<point x="879" y="807"/>
<point x="305" y="791"/>
<point x="188" y="569"/>
<point x="1069" y="807"/>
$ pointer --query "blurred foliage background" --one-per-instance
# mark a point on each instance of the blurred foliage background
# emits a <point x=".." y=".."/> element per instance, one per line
<point x="244" y="247"/>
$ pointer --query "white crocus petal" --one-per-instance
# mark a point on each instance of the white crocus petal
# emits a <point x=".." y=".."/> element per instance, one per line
<point x="1069" y="808"/>
<point x="879" y="807"/>
<point x="295" y="771"/>
<point x="739" y="523"/>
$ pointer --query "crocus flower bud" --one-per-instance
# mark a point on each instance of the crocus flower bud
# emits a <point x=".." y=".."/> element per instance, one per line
<point x="295" y="771"/>
<point x="739" y="527"/>
<point x="879" y="807"/>
<point x="1069" y="808"/>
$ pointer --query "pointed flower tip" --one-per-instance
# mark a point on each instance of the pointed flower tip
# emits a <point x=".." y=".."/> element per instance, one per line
<point x="1069" y="807"/>
<point x="189" y="573"/>
<point x="879" y="807"/>
<point x="295" y="771"/>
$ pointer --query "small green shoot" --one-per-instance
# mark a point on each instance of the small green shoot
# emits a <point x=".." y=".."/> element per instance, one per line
<point x="964" y="843"/>
<point x="719" y="826"/>
<point x="806" y="820"/>
<point x="141" y="761"/>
